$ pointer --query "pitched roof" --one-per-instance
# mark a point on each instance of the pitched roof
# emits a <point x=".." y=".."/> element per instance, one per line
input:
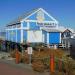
<point x="17" y="20"/>
<point x="28" y="14"/>
<point x="52" y="30"/>
<point x="67" y="30"/>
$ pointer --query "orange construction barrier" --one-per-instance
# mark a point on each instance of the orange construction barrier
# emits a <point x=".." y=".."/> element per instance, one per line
<point x="52" y="63"/>
<point x="17" y="56"/>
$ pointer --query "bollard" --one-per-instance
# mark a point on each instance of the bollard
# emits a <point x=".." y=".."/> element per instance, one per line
<point x="17" y="56"/>
<point x="60" y="65"/>
<point x="52" y="63"/>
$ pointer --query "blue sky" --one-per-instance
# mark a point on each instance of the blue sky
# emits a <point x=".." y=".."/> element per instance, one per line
<point x="62" y="10"/>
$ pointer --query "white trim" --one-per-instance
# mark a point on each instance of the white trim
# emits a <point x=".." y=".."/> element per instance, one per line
<point x="36" y="12"/>
<point x="21" y="32"/>
<point x="27" y="31"/>
<point x="47" y="38"/>
<point x="60" y="37"/>
<point x="49" y="15"/>
<point x="19" y="28"/>
<point x="42" y="21"/>
<point x="11" y="34"/>
<point x="16" y="35"/>
<point x="11" y="29"/>
<point x="30" y="15"/>
<point x="12" y="37"/>
<point x="27" y="26"/>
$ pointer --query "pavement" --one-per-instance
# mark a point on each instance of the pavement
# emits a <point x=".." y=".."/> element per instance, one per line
<point x="9" y="67"/>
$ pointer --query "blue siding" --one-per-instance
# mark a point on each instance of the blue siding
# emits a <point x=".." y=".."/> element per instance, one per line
<point x="47" y="18"/>
<point x="33" y="26"/>
<point x="33" y="17"/>
<point x="54" y="37"/>
<point x="9" y="38"/>
<point x="14" y="35"/>
<point x="45" y="36"/>
<point x="11" y="35"/>
<point x="6" y="35"/>
<point x="18" y="36"/>
<point x="24" y="35"/>
<point x="24" y="24"/>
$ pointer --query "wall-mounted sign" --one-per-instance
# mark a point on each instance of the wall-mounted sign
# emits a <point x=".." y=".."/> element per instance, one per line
<point x="47" y="25"/>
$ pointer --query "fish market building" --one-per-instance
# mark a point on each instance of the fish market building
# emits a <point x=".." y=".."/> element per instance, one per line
<point x="37" y="26"/>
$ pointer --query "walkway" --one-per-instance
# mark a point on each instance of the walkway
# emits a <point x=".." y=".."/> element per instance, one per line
<point x="10" y="68"/>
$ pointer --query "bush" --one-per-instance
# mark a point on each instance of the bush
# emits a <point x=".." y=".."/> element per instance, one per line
<point x="25" y="58"/>
<point x="12" y="54"/>
<point x="38" y="65"/>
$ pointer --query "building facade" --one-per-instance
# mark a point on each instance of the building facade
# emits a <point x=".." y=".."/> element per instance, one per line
<point x="36" y="26"/>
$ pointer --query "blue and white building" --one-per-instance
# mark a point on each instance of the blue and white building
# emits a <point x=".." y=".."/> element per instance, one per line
<point x="37" y="26"/>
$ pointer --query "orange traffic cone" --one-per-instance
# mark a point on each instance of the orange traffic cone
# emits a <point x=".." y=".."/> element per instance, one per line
<point x="17" y="57"/>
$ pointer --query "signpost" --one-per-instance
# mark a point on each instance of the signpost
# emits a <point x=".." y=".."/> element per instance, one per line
<point x="30" y="53"/>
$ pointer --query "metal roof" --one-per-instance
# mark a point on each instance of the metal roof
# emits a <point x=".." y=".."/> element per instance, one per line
<point x="52" y="30"/>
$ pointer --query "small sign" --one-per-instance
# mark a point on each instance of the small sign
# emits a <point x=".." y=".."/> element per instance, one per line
<point x="30" y="50"/>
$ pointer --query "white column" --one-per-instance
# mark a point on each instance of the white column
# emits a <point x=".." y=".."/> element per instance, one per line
<point x="28" y="25"/>
<point x="55" y="46"/>
<point x="60" y="37"/>
<point x="16" y="33"/>
<point x="12" y="34"/>
<point x="27" y="31"/>
<point x="21" y="32"/>
<point x="47" y="38"/>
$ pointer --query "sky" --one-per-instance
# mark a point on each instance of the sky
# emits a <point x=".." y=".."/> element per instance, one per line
<point x="62" y="10"/>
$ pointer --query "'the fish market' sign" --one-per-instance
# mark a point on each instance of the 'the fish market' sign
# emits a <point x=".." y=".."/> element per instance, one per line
<point x="49" y="25"/>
